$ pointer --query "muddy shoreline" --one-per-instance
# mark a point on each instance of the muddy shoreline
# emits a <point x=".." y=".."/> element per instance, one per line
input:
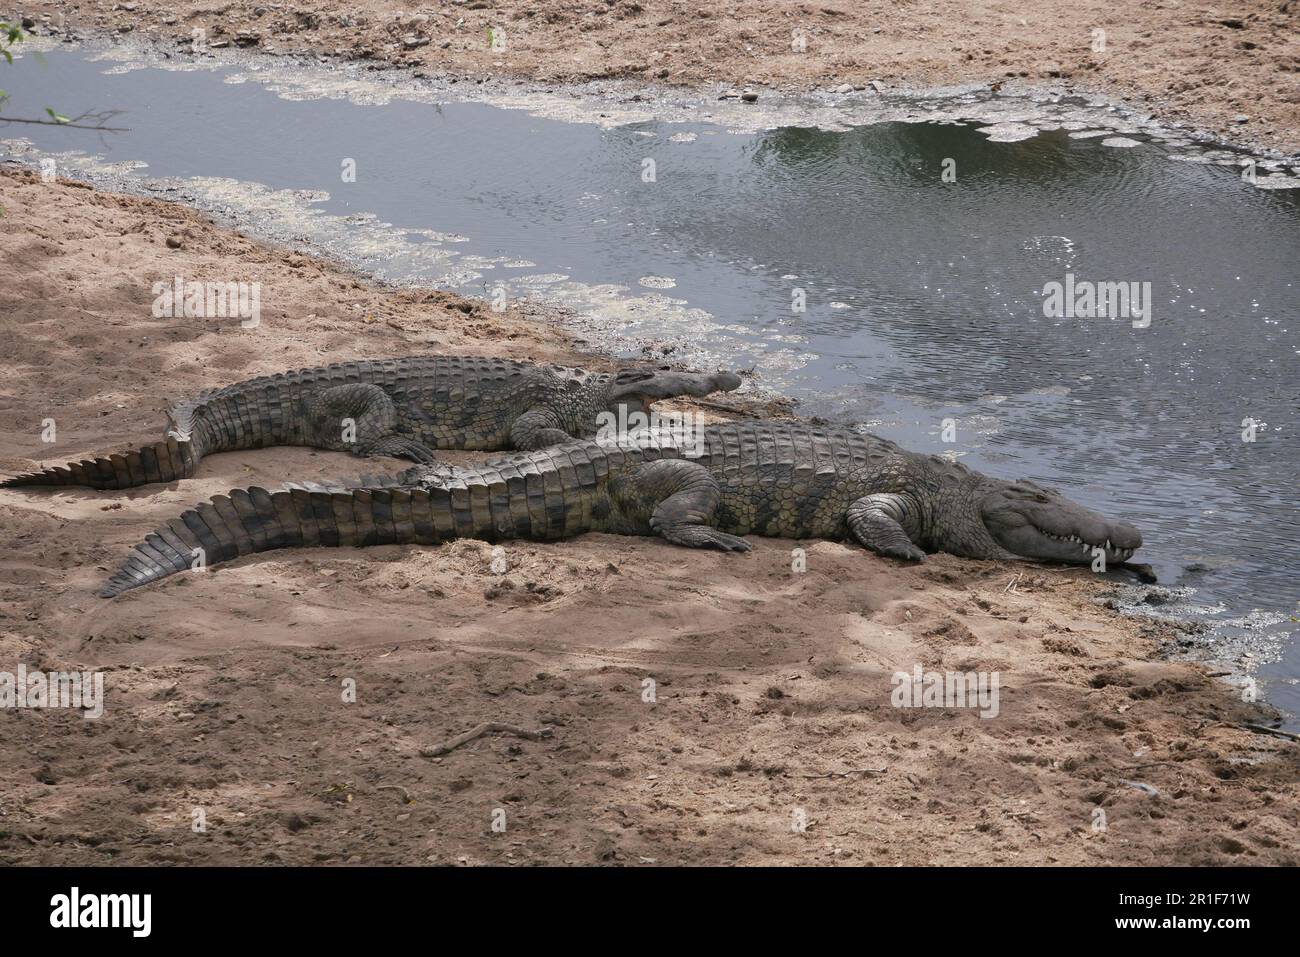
<point x="1235" y="74"/>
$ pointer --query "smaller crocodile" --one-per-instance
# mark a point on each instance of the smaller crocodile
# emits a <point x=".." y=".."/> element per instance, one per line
<point x="780" y="479"/>
<point x="405" y="408"/>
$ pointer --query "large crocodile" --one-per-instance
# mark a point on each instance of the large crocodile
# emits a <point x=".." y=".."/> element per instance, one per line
<point x="400" y="407"/>
<point x="766" y="478"/>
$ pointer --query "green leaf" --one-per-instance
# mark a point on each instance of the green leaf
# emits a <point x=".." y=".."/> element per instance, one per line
<point x="57" y="117"/>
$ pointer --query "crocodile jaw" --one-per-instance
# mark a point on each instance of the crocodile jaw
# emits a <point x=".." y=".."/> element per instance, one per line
<point x="1038" y="523"/>
<point x="640" y="388"/>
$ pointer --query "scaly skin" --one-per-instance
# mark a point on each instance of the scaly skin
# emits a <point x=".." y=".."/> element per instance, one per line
<point x="405" y="408"/>
<point x="764" y="478"/>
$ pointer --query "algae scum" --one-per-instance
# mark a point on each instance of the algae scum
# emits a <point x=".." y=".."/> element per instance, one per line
<point x="707" y="224"/>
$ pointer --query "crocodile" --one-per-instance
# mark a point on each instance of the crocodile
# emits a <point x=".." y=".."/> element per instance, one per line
<point x="405" y="408"/>
<point x="773" y="478"/>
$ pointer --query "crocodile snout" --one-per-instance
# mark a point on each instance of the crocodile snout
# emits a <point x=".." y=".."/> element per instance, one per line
<point x="667" y="383"/>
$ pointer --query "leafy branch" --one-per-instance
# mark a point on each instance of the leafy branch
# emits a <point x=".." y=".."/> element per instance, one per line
<point x="11" y="35"/>
<point x="100" y="117"/>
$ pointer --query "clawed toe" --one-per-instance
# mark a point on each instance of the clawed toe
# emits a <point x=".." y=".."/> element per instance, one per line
<point x="418" y="453"/>
<point x="906" y="553"/>
<point x="730" y="543"/>
<point x="702" y="536"/>
<point x="403" y="449"/>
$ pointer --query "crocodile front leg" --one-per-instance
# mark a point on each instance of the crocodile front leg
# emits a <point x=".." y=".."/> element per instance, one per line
<point x="880" y="522"/>
<point x="537" y="429"/>
<point x="680" y="498"/>
<point x="361" y="419"/>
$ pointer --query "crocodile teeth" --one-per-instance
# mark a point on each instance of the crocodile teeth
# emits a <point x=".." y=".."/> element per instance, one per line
<point x="1086" y="546"/>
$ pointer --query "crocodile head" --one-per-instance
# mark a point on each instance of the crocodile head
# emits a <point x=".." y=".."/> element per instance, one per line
<point x="638" y="389"/>
<point x="1030" y="521"/>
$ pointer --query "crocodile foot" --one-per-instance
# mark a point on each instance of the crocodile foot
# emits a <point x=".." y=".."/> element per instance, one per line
<point x="400" y="447"/>
<point x="904" y="551"/>
<point x="702" y="536"/>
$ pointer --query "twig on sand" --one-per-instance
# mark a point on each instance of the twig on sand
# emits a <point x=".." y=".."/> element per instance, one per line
<point x="1142" y="786"/>
<point x="1263" y="729"/>
<point x="1011" y="585"/>
<point x="406" y="795"/>
<point x="843" y="774"/>
<point x="488" y="727"/>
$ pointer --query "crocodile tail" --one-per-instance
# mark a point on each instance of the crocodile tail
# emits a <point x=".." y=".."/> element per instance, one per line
<point x="161" y="462"/>
<point x="526" y="497"/>
<point x="246" y="415"/>
<point x="256" y="520"/>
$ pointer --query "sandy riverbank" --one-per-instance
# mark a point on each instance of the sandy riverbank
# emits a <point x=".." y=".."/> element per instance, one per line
<point x="1232" y="68"/>
<point x="773" y="688"/>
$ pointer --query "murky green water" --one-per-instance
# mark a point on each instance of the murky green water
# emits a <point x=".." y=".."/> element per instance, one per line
<point x="923" y="297"/>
